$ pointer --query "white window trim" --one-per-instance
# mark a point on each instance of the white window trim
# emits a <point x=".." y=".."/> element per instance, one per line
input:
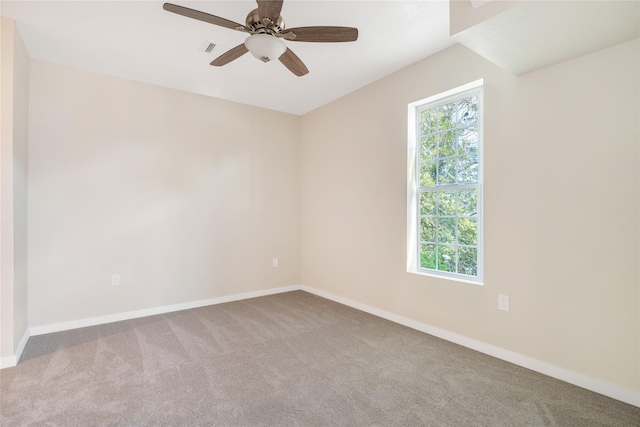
<point x="412" y="182"/>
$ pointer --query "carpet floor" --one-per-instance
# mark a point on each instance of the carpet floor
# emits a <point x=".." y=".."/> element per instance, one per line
<point x="291" y="359"/>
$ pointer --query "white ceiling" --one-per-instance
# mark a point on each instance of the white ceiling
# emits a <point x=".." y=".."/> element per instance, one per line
<point x="536" y="34"/>
<point x="139" y="40"/>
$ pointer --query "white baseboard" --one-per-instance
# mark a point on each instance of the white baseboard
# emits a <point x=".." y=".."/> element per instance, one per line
<point x="10" y="361"/>
<point x="109" y="318"/>
<point x="602" y="387"/>
<point x="22" y="344"/>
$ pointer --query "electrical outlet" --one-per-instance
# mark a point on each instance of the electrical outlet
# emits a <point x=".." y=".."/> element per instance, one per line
<point x="503" y="302"/>
<point x="275" y="262"/>
<point x="115" y="279"/>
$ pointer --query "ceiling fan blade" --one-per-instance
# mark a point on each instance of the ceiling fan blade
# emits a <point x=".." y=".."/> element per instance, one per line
<point x="202" y="16"/>
<point x="293" y="63"/>
<point x="269" y="9"/>
<point x="230" y="55"/>
<point x="321" y="34"/>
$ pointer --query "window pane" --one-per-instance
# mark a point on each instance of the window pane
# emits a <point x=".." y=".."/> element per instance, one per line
<point x="428" y="147"/>
<point x="468" y="261"/>
<point x="444" y="117"/>
<point x="428" y="121"/>
<point x="468" y="202"/>
<point x="428" y="256"/>
<point x="447" y="171"/>
<point x="468" y="169"/>
<point x="468" y="231"/>
<point x="427" y="174"/>
<point x="428" y="203"/>
<point x="468" y="141"/>
<point x="447" y="230"/>
<point x="447" y="202"/>
<point x="467" y="111"/>
<point x="447" y="144"/>
<point x="447" y="258"/>
<point x="428" y="229"/>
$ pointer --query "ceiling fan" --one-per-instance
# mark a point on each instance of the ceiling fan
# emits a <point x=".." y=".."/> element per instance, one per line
<point x="266" y="28"/>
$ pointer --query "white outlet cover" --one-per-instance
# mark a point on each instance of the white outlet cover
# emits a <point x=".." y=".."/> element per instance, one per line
<point x="503" y="302"/>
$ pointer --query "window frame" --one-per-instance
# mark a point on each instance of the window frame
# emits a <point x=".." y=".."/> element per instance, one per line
<point x="413" y="181"/>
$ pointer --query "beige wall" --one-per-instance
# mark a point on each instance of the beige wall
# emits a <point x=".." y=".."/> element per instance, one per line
<point x="13" y="192"/>
<point x="185" y="196"/>
<point x="561" y="208"/>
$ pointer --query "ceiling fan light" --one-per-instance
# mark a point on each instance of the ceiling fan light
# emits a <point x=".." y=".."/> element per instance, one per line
<point x="265" y="47"/>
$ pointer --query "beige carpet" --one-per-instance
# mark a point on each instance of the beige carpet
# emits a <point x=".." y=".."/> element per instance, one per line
<point x="290" y="359"/>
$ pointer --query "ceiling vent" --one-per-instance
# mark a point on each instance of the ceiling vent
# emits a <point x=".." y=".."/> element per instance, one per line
<point x="207" y="46"/>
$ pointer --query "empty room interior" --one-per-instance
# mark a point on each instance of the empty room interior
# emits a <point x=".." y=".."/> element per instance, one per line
<point x="251" y="243"/>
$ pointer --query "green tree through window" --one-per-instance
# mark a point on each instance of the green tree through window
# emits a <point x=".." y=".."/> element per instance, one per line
<point x="448" y="185"/>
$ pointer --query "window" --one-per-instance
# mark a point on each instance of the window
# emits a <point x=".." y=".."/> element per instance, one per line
<point x="444" y="232"/>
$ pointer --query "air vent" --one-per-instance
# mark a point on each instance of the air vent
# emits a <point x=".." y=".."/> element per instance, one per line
<point x="207" y="46"/>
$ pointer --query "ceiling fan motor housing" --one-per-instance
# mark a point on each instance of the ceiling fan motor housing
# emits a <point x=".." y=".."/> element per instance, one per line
<point x="264" y="26"/>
